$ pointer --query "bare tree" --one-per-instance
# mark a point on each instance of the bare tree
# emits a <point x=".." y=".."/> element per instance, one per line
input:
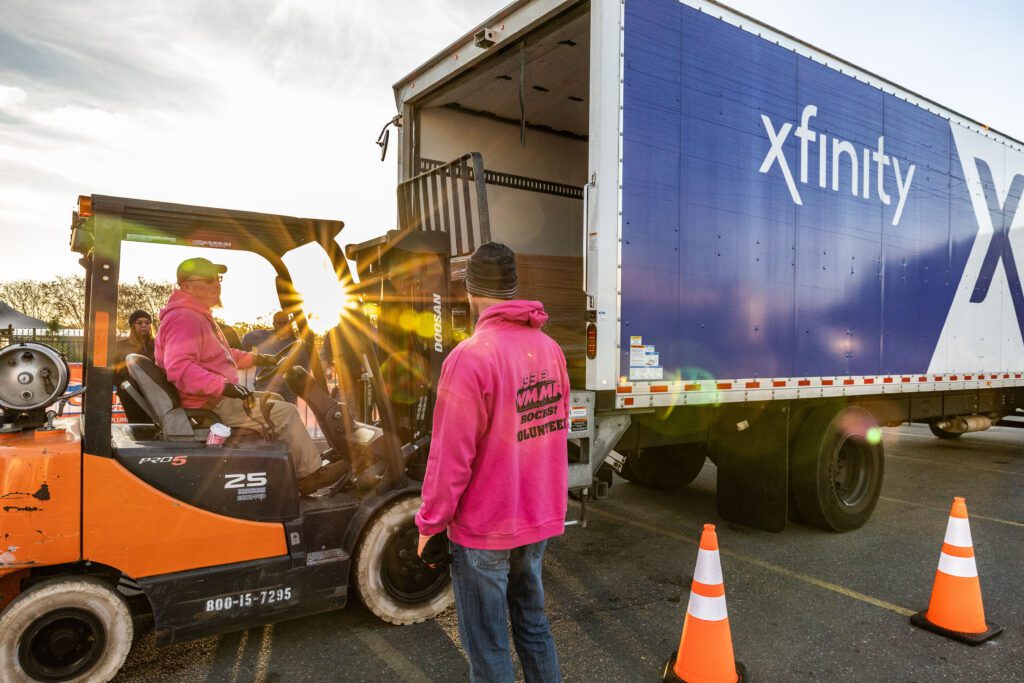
<point x="244" y="327"/>
<point x="65" y="295"/>
<point x="143" y="294"/>
<point x="61" y="301"/>
<point x="28" y="297"/>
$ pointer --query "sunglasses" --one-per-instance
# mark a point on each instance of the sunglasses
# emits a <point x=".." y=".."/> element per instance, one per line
<point x="207" y="280"/>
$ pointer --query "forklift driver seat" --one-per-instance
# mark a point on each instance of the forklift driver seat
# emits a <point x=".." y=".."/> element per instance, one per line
<point x="161" y="401"/>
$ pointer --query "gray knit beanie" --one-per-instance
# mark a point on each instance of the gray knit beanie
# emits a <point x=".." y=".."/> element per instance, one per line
<point x="492" y="272"/>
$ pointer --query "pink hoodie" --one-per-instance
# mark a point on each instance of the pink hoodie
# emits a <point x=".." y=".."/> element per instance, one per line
<point x="498" y="467"/>
<point x="193" y="352"/>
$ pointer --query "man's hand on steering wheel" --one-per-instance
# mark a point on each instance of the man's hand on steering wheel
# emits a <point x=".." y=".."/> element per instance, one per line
<point x="273" y="363"/>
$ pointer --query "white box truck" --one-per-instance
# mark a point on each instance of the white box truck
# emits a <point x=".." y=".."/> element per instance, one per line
<point x="751" y="250"/>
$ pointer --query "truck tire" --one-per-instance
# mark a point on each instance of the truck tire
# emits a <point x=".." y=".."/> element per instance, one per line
<point x="65" y="629"/>
<point x="942" y="433"/>
<point x="664" y="467"/>
<point x="391" y="579"/>
<point x="836" y="467"/>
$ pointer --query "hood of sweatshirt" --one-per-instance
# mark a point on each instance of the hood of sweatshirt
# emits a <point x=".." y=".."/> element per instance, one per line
<point x="183" y="300"/>
<point x="516" y="311"/>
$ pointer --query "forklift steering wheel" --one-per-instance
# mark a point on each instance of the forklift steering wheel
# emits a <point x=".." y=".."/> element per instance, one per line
<point x="281" y="356"/>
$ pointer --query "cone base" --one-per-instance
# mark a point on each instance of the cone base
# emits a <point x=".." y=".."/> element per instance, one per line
<point x="992" y="631"/>
<point x="668" y="675"/>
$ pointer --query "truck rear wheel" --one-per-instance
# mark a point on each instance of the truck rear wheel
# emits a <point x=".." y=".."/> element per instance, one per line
<point x="664" y="467"/>
<point x="65" y="629"/>
<point x="391" y="579"/>
<point x="836" y="467"/>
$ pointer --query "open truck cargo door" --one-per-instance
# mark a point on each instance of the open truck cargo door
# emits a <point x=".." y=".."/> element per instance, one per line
<point x="667" y="158"/>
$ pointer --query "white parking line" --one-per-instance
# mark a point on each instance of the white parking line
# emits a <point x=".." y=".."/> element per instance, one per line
<point x="958" y="463"/>
<point x="396" y="661"/>
<point x="935" y="507"/>
<point x="236" y="670"/>
<point x="782" y="571"/>
<point x="266" y="649"/>
<point x="896" y="434"/>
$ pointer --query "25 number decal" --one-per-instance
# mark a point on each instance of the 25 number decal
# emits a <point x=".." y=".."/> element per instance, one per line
<point x="245" y="481"/>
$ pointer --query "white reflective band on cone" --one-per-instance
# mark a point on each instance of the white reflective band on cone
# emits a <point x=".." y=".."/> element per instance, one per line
<point x="709" y="568"/>
<point x="957" y="566"/>
<point x="708" y="609"/>
<point x="958" y="532"/>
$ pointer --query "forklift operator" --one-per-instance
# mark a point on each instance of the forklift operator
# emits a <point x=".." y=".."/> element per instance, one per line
<point x="194" y="354"/>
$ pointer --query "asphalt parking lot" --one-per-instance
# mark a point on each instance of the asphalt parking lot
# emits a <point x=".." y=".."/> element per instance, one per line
<point x="804" y="605"/>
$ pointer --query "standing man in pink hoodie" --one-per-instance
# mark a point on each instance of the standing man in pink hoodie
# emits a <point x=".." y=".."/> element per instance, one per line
<point x="497" y="475"/>
<point x="192" y="350"/>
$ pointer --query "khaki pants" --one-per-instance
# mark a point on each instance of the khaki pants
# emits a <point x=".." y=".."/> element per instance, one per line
<point x="287" y="423"/>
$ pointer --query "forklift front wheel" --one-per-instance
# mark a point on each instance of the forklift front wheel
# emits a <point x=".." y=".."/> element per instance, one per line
<point x="391" y="579"/>
<point x="65" y="629"/>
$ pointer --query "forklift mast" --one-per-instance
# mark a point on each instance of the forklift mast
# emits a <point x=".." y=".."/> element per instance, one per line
<point x="412" y="282"/>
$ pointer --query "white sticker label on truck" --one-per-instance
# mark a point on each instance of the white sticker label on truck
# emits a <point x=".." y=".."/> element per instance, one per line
<point x="643" y="356"/>
<point x="645" y="373"/>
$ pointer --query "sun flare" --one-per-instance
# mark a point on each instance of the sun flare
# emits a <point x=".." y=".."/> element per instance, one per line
<point x="325" y="305"/>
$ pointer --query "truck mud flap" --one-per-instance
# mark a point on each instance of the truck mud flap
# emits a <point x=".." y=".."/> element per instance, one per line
<point x="234" y="597"/>
<point x="750" y="446"/>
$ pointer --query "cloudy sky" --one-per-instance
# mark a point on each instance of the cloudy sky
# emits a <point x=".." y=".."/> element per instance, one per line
<point x="274" y="105"/>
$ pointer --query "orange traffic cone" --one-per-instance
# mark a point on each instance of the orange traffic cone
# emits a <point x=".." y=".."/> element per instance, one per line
<point x="955" y="610"/>
<point x="705" y="648"/>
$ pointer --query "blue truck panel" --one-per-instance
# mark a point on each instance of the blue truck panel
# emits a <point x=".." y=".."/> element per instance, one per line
<point x="783" y="219"/>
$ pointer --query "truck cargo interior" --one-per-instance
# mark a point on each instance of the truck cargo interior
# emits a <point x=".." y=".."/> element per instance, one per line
<point x="525" y="109"/>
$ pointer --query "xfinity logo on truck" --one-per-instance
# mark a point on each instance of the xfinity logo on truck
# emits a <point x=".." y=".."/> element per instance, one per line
<point x="1000" y="247"/>
<point x="860" y="165"/>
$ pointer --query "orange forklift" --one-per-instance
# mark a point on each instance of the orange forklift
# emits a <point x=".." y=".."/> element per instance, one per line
<point x="102" y="524"/>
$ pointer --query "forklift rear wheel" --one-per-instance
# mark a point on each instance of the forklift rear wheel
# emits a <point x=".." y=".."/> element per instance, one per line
<point x="391" y="579"/>
<point x="836" y="467"/>
<point x="665" y="467"/>
<point x="65" y="629"/>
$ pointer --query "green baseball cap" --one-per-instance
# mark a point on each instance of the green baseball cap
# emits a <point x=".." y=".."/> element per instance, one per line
<point x="199" y="268"/>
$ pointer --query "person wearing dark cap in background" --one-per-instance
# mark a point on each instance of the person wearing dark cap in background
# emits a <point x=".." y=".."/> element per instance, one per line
<point x="140" y="341"/>
<point x="497" y="474"/>
<point x="272" y="342"/>
<point x="191" y="349"/>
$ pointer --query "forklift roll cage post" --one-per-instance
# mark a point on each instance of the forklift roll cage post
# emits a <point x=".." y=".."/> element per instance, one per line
<point x="101" y="223"/>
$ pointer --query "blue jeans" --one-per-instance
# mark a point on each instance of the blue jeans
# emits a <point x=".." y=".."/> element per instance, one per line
<point x="491" y="587"/>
